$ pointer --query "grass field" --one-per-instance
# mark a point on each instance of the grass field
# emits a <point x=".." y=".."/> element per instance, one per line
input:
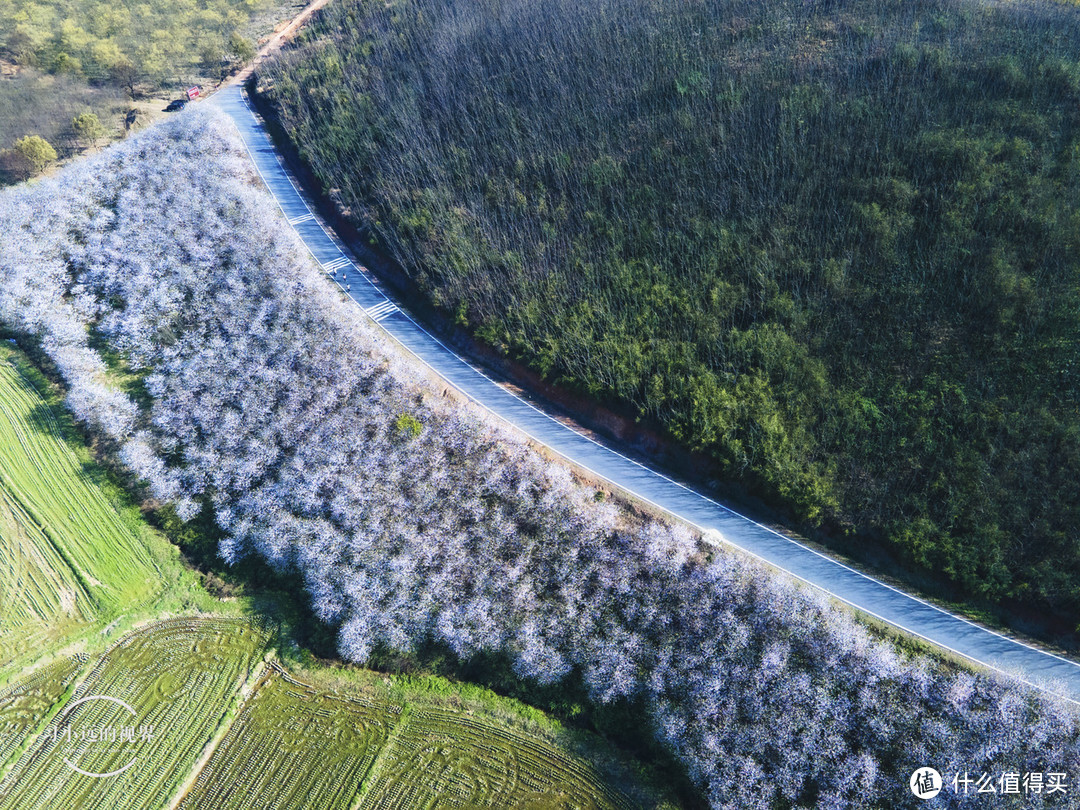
<point x="313" y="751"/>
<point x="180" y="677"/>
<point x="26" y="704"/>
<point x="69" y="556"/>
<point x="301" y="747"/>
<point x="291" y="746"/>
<point x="451" y="759"/>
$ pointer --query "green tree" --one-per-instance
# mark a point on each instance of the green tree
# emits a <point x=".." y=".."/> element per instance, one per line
<point x="212" y="59"/>
<point x="103" y="55"/>
<point x="241" y="48"/>
<point x="36" y="151"/>
<point x="66" y="63"/>
<point x="407" y="426"/>
<point x="88" y="128"/>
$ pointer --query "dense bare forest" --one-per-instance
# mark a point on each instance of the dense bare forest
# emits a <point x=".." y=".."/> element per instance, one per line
<point x="255" y="395"/>
<point x="833" y="245"/>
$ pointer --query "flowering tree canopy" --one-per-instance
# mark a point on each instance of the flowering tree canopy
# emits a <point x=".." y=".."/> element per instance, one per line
<point x="275" y="402"/>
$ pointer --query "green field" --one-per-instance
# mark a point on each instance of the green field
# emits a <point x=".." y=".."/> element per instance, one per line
<point x="69" y="556"/>
<point x="318" y="750"/>
<point x="313" y="750"/>
<point x="289" y="746"/>
<point x="451" y="759"/>
<point x="26" y="704"/>
<point x="180" y="676"/>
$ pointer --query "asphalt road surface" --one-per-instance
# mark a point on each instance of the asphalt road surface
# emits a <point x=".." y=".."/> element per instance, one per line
<point x="990" y="649"/>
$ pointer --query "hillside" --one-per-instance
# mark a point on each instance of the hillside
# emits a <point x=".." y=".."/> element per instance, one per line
<point x="833" y="246"/>
<point x="79" y="72"/>
<point x="262" y="401"/>
<point x="79" y="567"/>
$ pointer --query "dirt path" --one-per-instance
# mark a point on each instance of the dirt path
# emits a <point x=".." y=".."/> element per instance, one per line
<point x="275" y="42"/>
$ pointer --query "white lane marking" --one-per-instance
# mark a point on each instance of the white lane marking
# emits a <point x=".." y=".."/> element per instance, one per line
<point x="336" y="264"/>
<point x="895" y="623"/>
<point x="301" y="218"/>
<point x="381" y="311"/>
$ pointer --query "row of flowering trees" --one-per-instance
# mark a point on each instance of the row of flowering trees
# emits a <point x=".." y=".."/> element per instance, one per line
<point x="411" y="518"/>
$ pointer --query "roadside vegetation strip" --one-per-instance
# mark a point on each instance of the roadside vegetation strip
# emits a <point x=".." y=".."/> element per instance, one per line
<point x="26" y="704"/>
<point x="864" y="356"/>
<point x="294" y="747"/>
<point x="441" y="758"/>
<point x="269" y="399"/>
<point x="108" y="566"/>
<point x="170" y="684"/>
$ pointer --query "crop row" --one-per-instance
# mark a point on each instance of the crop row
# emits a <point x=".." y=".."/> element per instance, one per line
<point x="451" y="759"/>
<point x="293" y="747"/>
<point x="27" y="702"/>
<point x="298" y="747"/>
<point x="39" y="594"/>
<point x="176" y="680"/>
<point x="67" y="552"/>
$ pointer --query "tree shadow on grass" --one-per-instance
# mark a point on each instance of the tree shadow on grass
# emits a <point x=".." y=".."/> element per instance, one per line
<point x="280" y="597"/>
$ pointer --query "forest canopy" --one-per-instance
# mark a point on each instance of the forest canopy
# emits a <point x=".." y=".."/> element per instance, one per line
<point x="64" y="58"/>
<point x="835" y="246"/>
<point x="263" y="400"/>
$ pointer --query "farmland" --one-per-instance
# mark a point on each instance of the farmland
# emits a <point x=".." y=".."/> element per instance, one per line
<point x="70" y="558"/>
<point x="319" y="749"/>
<point x="24" y="705"/>
<point x="313" y="751"/>
<point x="438" y="757"/>
<point x="289" y="745"/>
<point x="180" y="677"/>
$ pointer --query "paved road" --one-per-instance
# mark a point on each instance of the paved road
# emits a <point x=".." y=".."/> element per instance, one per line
<point x="1053" y="673"/>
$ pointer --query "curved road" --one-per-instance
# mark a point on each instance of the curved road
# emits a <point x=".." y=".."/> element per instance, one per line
<point x="1054" y="674"/>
